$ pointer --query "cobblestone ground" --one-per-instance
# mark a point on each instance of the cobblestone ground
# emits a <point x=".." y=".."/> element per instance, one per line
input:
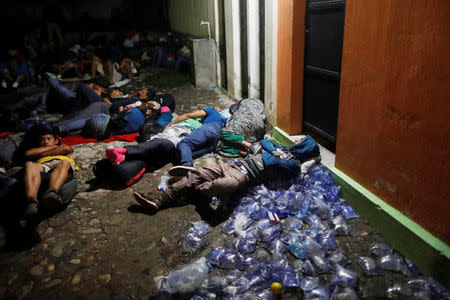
<point x="103" y="247"/>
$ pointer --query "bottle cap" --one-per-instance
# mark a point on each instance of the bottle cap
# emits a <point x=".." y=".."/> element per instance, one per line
<point x="276" y="287"/>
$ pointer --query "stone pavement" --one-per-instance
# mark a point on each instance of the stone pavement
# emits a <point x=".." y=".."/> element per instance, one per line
<point x="103" y="247"/>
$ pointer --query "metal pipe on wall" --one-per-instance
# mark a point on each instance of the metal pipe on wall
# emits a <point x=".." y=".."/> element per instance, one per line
<point x="253" y="51"/>
<point x="217" y="42"/>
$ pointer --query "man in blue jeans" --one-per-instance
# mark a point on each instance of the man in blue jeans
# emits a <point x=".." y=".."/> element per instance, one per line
<point x="201" y="141"/>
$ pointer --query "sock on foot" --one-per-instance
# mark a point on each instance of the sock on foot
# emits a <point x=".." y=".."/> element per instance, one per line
<point x="116" y="155"/>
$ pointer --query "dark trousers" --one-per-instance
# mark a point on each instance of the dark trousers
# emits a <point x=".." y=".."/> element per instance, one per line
<point x="156" y="153"/>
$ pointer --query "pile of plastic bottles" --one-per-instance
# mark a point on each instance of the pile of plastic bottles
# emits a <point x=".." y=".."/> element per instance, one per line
<point x="304" y="220"/>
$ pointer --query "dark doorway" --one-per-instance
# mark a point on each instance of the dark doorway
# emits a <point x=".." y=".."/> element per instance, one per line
<point x="324" y="24"/>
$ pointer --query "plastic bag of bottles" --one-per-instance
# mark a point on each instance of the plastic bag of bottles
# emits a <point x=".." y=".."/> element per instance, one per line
<point x="241" y="222"/>
<point x="347" y="211"/>
<point x="326" y="239"/>
<point x="292" y="223"/>
<point x="315" y="222"/>
<point x="339" y="258"/>
<point x="184" y="280"/>
<point x="215" y="255"/>
<point x="193" y="243"/>
<point x="339" y="226"/>
<point x="199" y="228"/>
<point x="309" y="283"/>
<point x="381" y="249"/>
<point x="318" y="293"/>
<point x="321" y="264"/>
<point x="368" y="265"/>
<point x="391" y="262"/>
<point x="270" y="233"/>
<point x="344" y="277"/>
<point x="245" y="244"/>
<point x="344" y="294"/>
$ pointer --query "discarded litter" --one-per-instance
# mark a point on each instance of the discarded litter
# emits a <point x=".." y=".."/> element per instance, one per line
<point x="273" y="225"/>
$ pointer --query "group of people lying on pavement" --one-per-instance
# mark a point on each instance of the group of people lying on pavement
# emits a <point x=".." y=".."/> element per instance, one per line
<point x="180" y="141"/>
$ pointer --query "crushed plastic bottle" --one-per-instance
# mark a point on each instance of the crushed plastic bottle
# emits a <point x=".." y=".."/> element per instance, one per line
<point x="164" y="182"/>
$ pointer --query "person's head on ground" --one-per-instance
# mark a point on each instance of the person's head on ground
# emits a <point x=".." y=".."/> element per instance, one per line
<point x="116" y="92"/>
<point x="218" y="109"/>
<point x="48" y="140"/>
<point x="150" y="108"/>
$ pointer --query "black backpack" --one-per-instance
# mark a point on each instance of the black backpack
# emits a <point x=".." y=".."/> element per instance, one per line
<point x="125" y="174"/>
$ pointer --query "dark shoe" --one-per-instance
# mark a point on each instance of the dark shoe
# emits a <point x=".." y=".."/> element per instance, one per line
<point x="51" y="200"/>
<point x="181" y="170"/>
<point x="150" y="201"/>
<point x="255" y="148"/>
<point x="31" y="210"/>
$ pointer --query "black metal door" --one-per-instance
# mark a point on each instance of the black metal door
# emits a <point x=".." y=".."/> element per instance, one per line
<point x="324" y="25"/>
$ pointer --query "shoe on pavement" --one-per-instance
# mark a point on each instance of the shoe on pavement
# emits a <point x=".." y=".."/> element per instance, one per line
<point x="149" y="202"/>
<point x="51" y="200"/>
<point x="31" y="210"/>
<point x="181" y="170"/>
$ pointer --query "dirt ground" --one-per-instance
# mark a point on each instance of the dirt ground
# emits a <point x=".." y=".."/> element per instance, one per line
<point x="104" y="247"/>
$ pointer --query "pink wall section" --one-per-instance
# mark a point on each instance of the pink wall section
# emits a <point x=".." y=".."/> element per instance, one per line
<point x="394" y="111"/>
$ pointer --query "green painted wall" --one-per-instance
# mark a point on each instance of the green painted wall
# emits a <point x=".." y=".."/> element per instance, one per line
<point x="185" y="16"/>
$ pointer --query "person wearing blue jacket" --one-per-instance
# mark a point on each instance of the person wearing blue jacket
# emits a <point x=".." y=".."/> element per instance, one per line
<point x="223" y="179"/>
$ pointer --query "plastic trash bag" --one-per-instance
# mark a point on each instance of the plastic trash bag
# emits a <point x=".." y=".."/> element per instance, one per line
<point x="184" y="280"/>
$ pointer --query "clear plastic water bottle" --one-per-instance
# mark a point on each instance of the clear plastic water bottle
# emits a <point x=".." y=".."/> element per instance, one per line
<point x="164" y="183"/>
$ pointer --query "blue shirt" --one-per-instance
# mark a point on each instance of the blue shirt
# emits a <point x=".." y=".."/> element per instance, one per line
<point x="164" y="118"/>
<point x="212" y="116"/>
<point x="135" y="120"/>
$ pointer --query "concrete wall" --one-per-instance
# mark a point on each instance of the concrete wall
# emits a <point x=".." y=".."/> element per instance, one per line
<point x="185" y="16"/>
<point x="393" y="127"/>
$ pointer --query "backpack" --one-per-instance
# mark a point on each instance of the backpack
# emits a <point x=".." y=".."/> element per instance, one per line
<point x="149" y="129"/>
<point x="125" y="174"/>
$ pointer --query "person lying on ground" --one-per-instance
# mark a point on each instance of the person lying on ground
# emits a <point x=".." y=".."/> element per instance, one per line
<point x="202" y="140"/>
<point x="13" y="72"/>
<point x="159" y="150"/>
<point x="48" y="156"/>
<point x="224" y="179"/>
<point x="100" y="119"/>
<point x="245" y="126"/>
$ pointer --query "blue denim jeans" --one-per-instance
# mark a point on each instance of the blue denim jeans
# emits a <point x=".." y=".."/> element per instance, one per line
<point x="60" y="89"/>
<point x="201" y="141"/>
<point x="74" y="127"/>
